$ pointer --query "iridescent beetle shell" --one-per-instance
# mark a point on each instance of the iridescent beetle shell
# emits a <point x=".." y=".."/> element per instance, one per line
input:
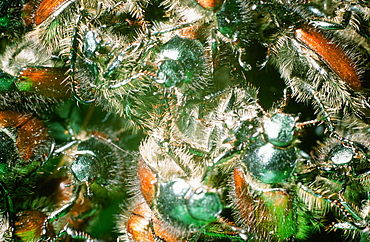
<point x="180" y="203"/>
<point x="271" y="157"/>
<point x="182" y="62"/>
<point x="93" y="160"/>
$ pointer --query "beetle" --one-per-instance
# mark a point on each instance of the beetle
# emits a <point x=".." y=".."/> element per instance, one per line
<point x="91" y="159"/>
<point x="262" y="188"/>
<point x="92" y="164"/>
<point x="182" y="204"/>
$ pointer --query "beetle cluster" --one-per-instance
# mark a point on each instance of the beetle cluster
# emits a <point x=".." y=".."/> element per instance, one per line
<point x="192" y="120"/>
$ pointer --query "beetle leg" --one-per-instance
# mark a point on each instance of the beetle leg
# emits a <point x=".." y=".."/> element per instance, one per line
<point x="74" y="234"/>
<point x="61" y="211"/>
<point x="73" y="59"/>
